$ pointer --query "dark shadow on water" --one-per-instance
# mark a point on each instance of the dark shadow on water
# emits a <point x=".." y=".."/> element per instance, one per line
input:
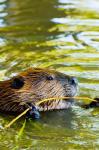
<point x="60" y="118"/>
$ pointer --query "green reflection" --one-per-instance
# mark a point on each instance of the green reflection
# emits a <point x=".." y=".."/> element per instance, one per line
<point x="63" y="35"/>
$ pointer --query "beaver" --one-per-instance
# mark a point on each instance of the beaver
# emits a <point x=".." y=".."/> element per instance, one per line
<point x="35" y="84"/>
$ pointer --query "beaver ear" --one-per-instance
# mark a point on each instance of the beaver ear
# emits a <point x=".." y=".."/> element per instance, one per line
<point x="17" y="82"/>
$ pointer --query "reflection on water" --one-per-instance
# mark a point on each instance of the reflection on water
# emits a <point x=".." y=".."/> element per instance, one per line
<point x="63" y="35"/>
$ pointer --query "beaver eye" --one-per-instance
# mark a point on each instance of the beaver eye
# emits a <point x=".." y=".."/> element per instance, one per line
<point x="50" y="78"/>
<point x="17" y="83"/>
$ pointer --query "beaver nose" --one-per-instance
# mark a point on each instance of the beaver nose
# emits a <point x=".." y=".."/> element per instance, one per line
<point x="73" y="81"/>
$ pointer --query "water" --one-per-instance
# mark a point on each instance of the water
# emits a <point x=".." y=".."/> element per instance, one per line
<point x="60" y="34"/>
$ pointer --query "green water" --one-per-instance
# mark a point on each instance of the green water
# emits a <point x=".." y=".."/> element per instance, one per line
<point x="60" y="34"/>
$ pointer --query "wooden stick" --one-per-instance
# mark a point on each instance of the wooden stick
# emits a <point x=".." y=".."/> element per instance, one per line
<point x="42" y="101"/>
<point x="19" y="116"/>
<point x="62" y="98"/>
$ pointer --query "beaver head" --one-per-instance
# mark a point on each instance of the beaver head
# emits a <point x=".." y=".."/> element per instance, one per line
<point x="33" y="85"/>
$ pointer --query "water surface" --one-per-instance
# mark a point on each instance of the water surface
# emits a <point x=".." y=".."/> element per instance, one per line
<point x="63" y="35"/>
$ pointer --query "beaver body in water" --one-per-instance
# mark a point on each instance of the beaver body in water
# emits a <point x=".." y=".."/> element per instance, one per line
<point x="33" y="85"/>
<point x="93" y="104"/>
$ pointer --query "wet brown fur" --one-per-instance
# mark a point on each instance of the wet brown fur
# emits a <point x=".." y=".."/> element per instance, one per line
<point x="37" y="86"/>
